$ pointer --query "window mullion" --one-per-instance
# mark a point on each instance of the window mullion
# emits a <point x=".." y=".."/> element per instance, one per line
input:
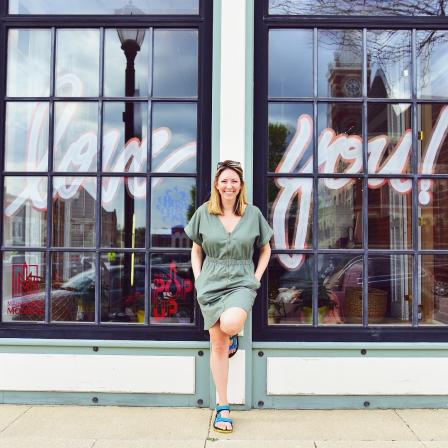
<point x="148" y="257"/>
<point x="99" y="170"/>
<point x="3" y="42"/>
<point x="415" y="293"/>
<point x="315" y="288"/>
<point x="365" y="192"/>
<point x="51" y="122"/>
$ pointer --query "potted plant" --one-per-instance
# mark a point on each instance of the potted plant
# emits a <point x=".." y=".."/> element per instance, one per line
<point x="325" y="302"/>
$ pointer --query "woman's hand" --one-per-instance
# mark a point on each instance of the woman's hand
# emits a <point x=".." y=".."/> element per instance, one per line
<point x="263" y="260"/>
<point x="196" y="259"/>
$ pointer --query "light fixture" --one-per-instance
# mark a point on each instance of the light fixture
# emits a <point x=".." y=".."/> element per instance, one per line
<point x="134" y="35"/>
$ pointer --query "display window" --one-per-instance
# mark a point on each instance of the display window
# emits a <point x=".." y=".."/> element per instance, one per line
<point x="351" y="128"/>
<point x="105" y="156"/>
<point x="113" y="7"/>
<point x="357" y="7"/>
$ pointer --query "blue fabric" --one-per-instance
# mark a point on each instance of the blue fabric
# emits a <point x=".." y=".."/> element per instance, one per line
<point x="218" y="418"/>
<point x="223" y="407"/>
<point x="223" y="419"/>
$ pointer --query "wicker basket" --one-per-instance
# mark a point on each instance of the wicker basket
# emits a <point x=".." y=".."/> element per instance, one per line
<point x="377" y="304"/>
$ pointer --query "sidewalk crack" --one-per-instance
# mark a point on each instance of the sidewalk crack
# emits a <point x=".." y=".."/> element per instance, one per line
<point x="208" y="430"/>
<point x="406" y="423"/>
<point x="11" y="423"/>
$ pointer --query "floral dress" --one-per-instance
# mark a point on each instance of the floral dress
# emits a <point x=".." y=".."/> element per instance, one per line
<point x="227" y="277"/>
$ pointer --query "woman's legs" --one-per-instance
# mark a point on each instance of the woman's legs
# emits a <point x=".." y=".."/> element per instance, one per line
<point x="231" y="322"/>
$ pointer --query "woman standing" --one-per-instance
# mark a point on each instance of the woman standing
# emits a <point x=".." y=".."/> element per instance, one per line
<point x="226" y="228"/>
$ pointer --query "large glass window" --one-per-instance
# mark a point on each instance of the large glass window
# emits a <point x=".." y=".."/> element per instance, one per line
<point x="115" y="7"/>
<point x="354" y="132"/>
<point x="101" y="168"/>
<point x="358" y="7"/>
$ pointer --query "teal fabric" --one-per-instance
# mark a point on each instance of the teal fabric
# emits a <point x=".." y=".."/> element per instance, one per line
<point x="227" y="277"/>
<point x="223" y="407"/>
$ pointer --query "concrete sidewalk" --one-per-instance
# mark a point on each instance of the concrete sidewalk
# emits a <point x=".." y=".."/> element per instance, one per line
<point x="132" y="427"/>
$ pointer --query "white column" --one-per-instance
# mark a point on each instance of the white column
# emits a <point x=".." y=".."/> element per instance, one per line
<point x="233" y="78"/>
<point x="232" y="124"/>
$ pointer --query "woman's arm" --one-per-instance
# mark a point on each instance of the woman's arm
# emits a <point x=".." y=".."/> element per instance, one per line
<point x="263" y="260"/>
<point x="196" y="259"/>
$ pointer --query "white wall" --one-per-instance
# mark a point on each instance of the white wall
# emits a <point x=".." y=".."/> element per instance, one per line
<point x="97" y="373"/>
<point x="356" y="376"/>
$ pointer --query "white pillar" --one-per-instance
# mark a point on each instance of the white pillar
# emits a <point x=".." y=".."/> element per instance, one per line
<point x="233" y="79"/>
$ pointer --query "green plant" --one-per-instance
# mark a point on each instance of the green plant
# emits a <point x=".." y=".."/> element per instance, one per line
<point x="323" y="297"/>
<point x="324" y="293"/>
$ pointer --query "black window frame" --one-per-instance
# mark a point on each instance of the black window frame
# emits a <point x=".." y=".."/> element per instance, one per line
<point x="102" y="331"/>
<point x="263" y="22"/>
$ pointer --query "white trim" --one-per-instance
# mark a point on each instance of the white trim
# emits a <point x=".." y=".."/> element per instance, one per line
<point x="97" y="373"/>
<point x="357" y="376"/>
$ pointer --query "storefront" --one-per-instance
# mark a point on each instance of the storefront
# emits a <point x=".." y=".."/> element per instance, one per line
<point x="114" y="118"/>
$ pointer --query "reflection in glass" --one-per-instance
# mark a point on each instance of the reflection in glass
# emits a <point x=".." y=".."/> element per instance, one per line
<point x="77" y="62"/>
<point x="175" y="68"/>
<point x="123" y="212"/>
<point x="23" y="286"/>
<point x="432" y="52"/>
<point x="389" y="64"/>
<point x="335" y="274"/>
<point x="26" y="139"/>
<point x="390" y="216"/>
<point x="339" y="63"/>
<point x="433" y="279"/>
<point x="289" y="292"/>
<point x="174" y="137"/>
<point x="25" y="213"/>
<point x="74" y="211"/>
<point x="433" y="216"/>
<point x="358" y="7"/>
<point x="29" y="62"/>
<point x="340" y="213"/>
<point x="430" y="119"/>
<point x="390" y="289"/>
<point x="115" y="62"/>
<point x="342" y="118"/>
<point x="123" y="287"/>
<point x="340" y="133"/>
<point x="171" y="203"/>
<point x="290" y="127"/>
<point x="125" y="122"/>
<point x="389" y="132"/>
<point x="172" y="291"/>
<point x="75" y="140"/>
<point x="100" y="7"/>
<point x="340" y="288"/>
<point x="290" y="200"/>
<point x="290" y="72"/>
<point x="73" y="286"/>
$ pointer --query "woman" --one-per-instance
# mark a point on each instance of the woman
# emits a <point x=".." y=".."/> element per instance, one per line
<point x="226" y="228"/>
